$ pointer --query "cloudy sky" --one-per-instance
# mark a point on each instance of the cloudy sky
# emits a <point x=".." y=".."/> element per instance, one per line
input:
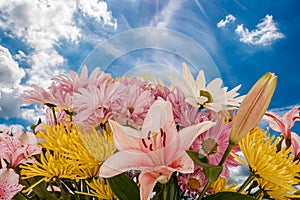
<point x="237" y="40"/>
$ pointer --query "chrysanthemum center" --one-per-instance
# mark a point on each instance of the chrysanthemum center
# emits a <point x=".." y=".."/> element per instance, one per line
<point x="194" y="184"/>
<point x="204" y="93"/>
<point x="210" y="146"/>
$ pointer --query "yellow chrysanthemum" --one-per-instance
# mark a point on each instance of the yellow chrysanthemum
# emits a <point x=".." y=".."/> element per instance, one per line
<point x="100" y="189"/>
<point x="98" y="143"/>
<point x="274" y="190"/>
<point x="221" y="185"/>
<point x="66" y="141"/>
<point x="276" y="168"/>
<point x="50" y="166"/>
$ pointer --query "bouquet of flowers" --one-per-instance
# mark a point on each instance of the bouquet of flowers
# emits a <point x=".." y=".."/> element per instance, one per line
<point x="135" y="138"/>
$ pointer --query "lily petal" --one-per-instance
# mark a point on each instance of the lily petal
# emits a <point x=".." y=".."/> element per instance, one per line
<point x="275" y="122"/>
<point x="125" y="137"/>
<point x="147" y="181"/>
<point x="185" y="138"/>
<point x="125" y="160"/>
<point x="157" y="117"/>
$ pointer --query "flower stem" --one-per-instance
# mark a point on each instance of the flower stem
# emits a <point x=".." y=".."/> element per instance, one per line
<point x="258" y="194"/>
<point x="246" y="183"/>
<point x="204" y="190"/>
<point x="54" y="115"/>
<point x="165" y="191"/>
<point x="230" y="146"/>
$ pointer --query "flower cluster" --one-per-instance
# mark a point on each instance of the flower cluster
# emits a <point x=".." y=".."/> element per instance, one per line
<point x="135" y="138"/>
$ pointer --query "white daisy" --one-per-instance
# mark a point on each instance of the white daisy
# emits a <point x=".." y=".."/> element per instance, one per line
<point x="212" y="96"/>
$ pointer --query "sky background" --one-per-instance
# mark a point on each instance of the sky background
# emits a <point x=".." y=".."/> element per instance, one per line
<point x="237" y="40"/>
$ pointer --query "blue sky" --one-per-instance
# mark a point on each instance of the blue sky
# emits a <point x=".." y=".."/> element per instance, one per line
<point x="239" y="40"/>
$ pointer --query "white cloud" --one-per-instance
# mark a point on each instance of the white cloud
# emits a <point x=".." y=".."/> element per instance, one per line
<point x="229" y="18"/>
<point x="265" y="34"/>
<point x="10" y="72"/>
<point x="165" y="16"/>
<point x="12" y="127"/>
<point x="239" y="174"/>
<point x="9" y="104"/>
<point x="44" y="25"/>
<point x="98" y="10"/>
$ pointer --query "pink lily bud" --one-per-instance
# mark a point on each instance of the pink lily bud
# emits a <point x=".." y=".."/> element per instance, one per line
<point x="253" y="107"/>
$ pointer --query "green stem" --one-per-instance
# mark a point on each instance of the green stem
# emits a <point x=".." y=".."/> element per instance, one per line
<point x="230" y="146"/>
<point x="165" y="191"/>
<point x="204" y="190"/>
<point x="54" y="115"/>
<point x="246" y="183"/>
<point x="258" y="194"/>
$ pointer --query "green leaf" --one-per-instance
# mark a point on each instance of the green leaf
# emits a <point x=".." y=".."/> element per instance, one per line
<point x="228" y="196"/>
<point x="41" y="189"/>
<point x="124" y="188"/>
<point x="174" y="189"/>
<point x="211" y="172"/>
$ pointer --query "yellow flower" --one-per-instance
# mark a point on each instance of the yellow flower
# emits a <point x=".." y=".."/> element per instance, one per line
<point x="98" y="143"/>
<point x="274" y="168"/>
<point x="101" y="189"/>
<point x="50" y="166"/>
<point x="65" y="141"/>
<point x="221" y="185"/>
<point x="274" y="190"/>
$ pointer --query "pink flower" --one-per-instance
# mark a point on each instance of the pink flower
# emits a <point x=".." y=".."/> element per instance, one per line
<point x="295" y="146"/>
<point x="18" y="148"/>
<point x="184" y="113"/>
<point x="213" y="144"/>
<point x="283" y="124"/>
<point x="9" y="184"/>
<point x="253" y="107"/>
<point x="192" y="183"/>
<point x="37" y="95"/>
<point x="133" y="106"/>
<point x="157" y="150"/>
<point x="94" y="105"/>
<point x="60" y="119"/>
<point x="77" y="81"/>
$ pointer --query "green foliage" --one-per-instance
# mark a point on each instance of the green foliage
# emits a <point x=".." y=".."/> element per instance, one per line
<point x="124" y="188"/>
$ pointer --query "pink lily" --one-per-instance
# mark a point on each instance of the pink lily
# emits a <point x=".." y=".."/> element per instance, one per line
<point x="9" y="184"/>
<point x="295" y="146"/>
<point x="283" y="124"/>
<point x="157" y="150"/>
<point x="18" y="148"/>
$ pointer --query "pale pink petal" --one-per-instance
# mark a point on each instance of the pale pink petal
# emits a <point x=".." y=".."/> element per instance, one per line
<point x="125" y="137"/>
<point x="147" y="181"/>
<point x="184" y="164"/>
<point x="290" y="117"/>
<point x="275" y="122"/>
<point x="189" y="134"/>
<point x="26" y="138"/>
<point x="158" y="115"/>
<point x="295" y="139"/>
<point x="125" y="160"/>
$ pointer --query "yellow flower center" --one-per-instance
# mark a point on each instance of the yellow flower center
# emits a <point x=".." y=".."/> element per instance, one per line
<point x="194" y="184"/>
<point x="204" y="93"/>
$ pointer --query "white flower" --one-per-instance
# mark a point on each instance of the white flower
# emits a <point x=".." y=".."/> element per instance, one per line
<point x="212" y="96"/>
